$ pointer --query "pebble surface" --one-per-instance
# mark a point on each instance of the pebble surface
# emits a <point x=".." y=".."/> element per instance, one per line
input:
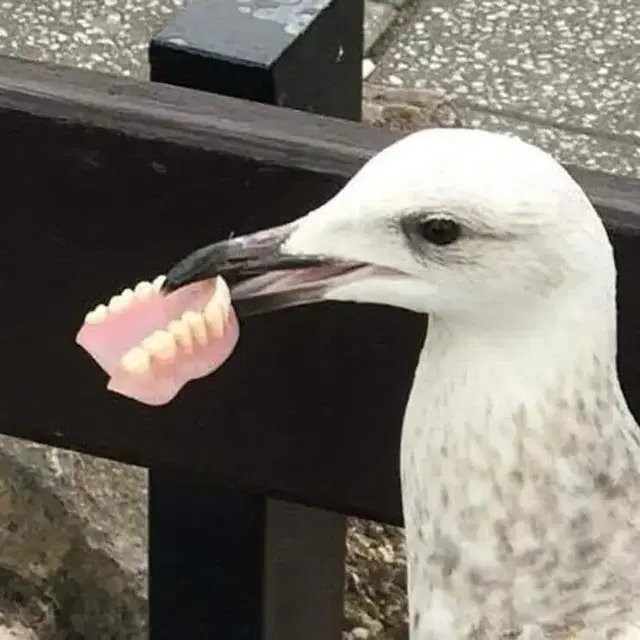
<point x="565" y="66"/>
<point x="583" y="149"/>
<point x="110" y="36"/>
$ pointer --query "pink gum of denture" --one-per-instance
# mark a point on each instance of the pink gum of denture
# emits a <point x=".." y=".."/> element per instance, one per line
<point x="109" y="339"/>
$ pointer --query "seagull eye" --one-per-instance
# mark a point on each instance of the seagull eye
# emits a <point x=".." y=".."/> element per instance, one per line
<point x="440" y="231"/>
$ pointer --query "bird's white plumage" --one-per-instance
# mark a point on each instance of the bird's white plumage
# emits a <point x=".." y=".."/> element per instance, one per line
<point x="520" y="458"/>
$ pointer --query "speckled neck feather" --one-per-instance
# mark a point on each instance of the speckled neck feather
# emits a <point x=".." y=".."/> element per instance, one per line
<point x="520" y="482"/>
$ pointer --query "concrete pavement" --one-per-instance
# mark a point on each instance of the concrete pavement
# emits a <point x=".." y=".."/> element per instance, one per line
<point x="562" y="74"/>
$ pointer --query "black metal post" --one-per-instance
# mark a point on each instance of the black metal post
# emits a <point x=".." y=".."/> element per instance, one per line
<point x="305" y="54"/>
<point x="224" y="564"/>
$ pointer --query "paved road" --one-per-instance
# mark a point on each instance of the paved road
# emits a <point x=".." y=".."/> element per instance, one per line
<point x="562" y="73"/>
<point x="111" y="35"/>
<point x="103" y="35"/>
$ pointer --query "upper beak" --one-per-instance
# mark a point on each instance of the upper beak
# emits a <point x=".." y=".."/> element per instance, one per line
<point x="261" y="275"/>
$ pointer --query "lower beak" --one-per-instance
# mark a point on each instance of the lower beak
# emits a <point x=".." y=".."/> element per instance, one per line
<point x="261" y="275"/>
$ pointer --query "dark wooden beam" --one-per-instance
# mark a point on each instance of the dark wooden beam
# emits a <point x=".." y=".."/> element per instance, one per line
<point x="107" y="181"/>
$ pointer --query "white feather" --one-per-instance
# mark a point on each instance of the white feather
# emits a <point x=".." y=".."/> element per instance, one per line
<point x="519" y="454"/>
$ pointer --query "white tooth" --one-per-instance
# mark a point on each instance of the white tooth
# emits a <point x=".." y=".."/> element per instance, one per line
<point x="149" y="343"/>
<point x="98" y="315"/>
<point x="161" y="344"/>
<point x="127" y="295"/>
<point x="182" y="334"/>
<point x="143" y="290"/>
<point x="196" y="324"/>
<point x="214" y="315"/>
<point x="223" y="296"/>
<point x="117" y="304"/>
<point x="158" y="282"/>
<point x="136" y="361"/>
<point x="167" y="346"/>
<point x="121" y="302"/>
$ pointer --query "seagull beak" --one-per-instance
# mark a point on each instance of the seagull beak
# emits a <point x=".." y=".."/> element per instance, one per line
<point x="261" y="275"/>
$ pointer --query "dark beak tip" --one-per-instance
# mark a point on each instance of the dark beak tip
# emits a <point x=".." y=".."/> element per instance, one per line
<point x="167" y="288"/>
<point x="172" y="282"/>
<point x="238" y="260"/>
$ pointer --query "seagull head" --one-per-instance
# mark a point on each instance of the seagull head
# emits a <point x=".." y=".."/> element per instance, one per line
<point x="462" y="224"/>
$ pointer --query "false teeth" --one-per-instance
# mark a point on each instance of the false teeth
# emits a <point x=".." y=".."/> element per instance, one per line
<point x="143" y="290"/>
<point x="98" y="315"/>
<point x="160" y="344"/>
<point x="195" y="327"/>
<point x="182" y="335"/>
<point x="214" y="317"/>
<point x="136" y="361"/>
<point x="119" y="303"/>
<point x="151" y="343"/>
<point x="196" y="323"/>
<point x="165" y="345"/>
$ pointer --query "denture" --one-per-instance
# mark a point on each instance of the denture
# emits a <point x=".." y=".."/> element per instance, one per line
<point x="151" y="344"/>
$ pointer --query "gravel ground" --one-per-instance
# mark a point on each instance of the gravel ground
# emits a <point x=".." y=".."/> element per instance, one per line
<point x="375" y="583"/>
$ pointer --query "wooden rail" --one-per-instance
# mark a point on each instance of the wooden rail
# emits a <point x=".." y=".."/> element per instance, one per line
<point x="106" y="181"/>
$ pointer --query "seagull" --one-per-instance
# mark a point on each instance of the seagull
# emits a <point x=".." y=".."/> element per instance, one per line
<point x="519" y="455"/>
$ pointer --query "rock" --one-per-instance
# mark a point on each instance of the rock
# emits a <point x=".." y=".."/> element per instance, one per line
<point x="376" y="580"/>
<point x="73" y="535"/>
<point x="16" y="631"/>
<point x="25" y="608"/>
